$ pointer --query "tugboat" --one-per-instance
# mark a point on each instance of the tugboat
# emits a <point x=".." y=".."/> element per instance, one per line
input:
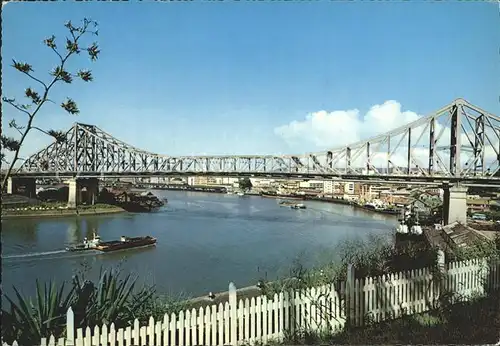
<point x="114" y="245"/>
<point x="86" y="245"/>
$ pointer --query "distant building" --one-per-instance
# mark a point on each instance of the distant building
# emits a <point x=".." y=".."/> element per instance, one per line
<point x="202" y="180"/>
<point x="331" y="187"/>
<point x="311" y="185"/>
<point x="176" y="181"/>
<point x="352" y="190"/>
<point x="478" y="205"/>
<point x="262" y="183"/>
<point x="291" y="184"/>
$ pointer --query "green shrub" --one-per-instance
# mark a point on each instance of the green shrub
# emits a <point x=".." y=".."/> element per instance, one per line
<point x="112" y="299"/>
<point x="28" y="320"/>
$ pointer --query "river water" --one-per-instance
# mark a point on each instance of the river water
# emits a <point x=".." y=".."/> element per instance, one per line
<point x="204" y="242"/>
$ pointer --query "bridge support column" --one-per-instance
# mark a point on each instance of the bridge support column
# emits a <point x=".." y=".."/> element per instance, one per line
<point x="454" y="204"/>
<point x="73" y="199"/>
<point x="22" y="186"/>
<point x="82" y="191"/>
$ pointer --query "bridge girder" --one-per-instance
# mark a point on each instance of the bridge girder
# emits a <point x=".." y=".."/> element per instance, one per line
<point x="459" y="134"/>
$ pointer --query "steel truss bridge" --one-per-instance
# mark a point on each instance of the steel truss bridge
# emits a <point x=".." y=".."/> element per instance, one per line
<point x="459" y="142"/>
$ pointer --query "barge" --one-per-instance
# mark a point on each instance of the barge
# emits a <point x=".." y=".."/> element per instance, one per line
<point x="114" y="245"/>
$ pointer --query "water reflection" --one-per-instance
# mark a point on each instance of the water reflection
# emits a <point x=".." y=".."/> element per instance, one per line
<point x="73" y="232"/>
<point x="20" y="231"/>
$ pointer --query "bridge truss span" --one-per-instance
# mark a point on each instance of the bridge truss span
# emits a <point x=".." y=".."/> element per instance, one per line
<point x="458" y="141"/>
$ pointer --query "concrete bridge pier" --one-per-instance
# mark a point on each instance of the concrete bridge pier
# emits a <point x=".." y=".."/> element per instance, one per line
<point x="22" y="186"/>
<point x="454" y="204"/>
<point x="82" y="190"/>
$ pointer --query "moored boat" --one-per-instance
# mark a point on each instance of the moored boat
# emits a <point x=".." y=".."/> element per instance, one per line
<point x="298" y="206"/>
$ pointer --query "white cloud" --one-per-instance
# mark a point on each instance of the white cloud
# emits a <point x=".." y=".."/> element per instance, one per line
<point x="324" y="130"/>
<point x="338" y="128"/>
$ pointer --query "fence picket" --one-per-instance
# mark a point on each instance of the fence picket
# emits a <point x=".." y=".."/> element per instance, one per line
<point x="285" y="297"/>
<point x="120" y="337"/>
<point x="182" y="328"/>
<point x="104" y="337"/>
<point x="128" y="335"/>
<point x="136" y="332"/>
<point x="220" y="325"/>
<point x="281" y="309"/>
<point x="157" y="334"/>
<point x="79" y="337"/>
<point x="150" y="332"/>
<point x="112" y="335"/>
<point x="194" y="328"/>
<point x="165" y="329"/>
<point x="207" y="319"/>
<point x="173" y="329"/>
<point x="202" y="326"/>
<point x="87" y="341"/>
<point x="96" y="336"/>
<point x="247" y="316"/>
<point x="264" y="319"/>
<point x="213" y="325"/>
<point x="253" y="320"/>
<point x="142" y="336"/>
<point x="227" y="325"/>
<point x="258" y="321"/>
<point x="240" y="320"/>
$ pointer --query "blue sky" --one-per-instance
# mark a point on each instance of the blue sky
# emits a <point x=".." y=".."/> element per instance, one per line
<point x="253" y="77"/>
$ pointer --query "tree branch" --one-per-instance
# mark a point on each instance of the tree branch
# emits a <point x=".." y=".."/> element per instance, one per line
<point x="58" y="54"/>
<point x="18" y="130"/>
<point x="72" y="48"/>
<point x="35" y="79"/>
<point x="16" y="106"/>
<point x="39" y="129"/>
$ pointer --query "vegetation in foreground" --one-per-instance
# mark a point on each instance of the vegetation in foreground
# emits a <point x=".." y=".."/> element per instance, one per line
<point x="473" y="322"/>
<point x="119" y="299"/>
<point x="373" y="257"/>
<point x="114" y="298"/>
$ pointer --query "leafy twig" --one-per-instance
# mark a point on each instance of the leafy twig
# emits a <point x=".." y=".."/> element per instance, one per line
<point x="59" y="73"/>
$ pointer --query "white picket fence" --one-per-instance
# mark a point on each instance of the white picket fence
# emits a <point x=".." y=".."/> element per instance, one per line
<point x="326" y="307"/>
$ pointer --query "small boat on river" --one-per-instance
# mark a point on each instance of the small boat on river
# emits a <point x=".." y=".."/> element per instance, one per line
<point x="114" y="245"/>
<point x="298" y="206"/>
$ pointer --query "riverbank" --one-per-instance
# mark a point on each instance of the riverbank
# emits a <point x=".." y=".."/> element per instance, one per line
<point x="210" y="189"/>
<point x="58" y="211"/>
<point x="291" y="197"/>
